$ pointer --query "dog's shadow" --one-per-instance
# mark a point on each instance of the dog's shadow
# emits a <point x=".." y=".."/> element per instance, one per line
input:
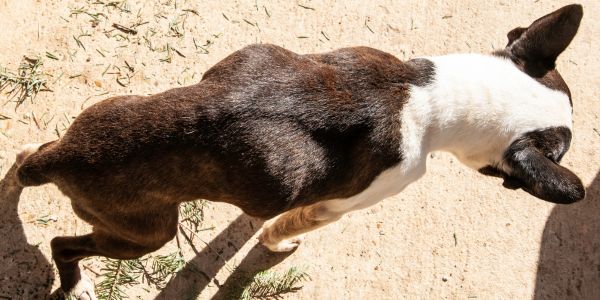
<point x="569" y="263"/>
<point x="24" y="271"/>
<point x="199" y="272"/>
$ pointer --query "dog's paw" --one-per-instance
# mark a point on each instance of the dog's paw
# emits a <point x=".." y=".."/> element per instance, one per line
<point x="284" y="245"/>
<point x="83" y="290"/>
<point x="274" y="242"/>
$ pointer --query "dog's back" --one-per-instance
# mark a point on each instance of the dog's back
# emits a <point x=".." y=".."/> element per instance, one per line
<point x="266" y="129"/>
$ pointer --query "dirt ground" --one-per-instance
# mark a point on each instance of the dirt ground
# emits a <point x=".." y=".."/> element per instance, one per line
<point x="452" y="235"/>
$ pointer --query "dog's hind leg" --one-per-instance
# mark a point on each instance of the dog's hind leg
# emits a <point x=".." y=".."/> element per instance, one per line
<point x="284" y="233"/>
<point x="68" y="251"/>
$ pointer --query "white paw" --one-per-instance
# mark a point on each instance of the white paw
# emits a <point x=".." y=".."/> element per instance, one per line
<point x="26" y="150"/>
<point x="83" y="290"/>
<point x="284" y="245"/>
<point x="275" y="243"/>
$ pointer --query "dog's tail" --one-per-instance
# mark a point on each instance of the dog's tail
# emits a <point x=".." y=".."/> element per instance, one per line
<point x="32" y="162"/>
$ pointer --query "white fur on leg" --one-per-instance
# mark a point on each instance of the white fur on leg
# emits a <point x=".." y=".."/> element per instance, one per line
<point x="475" y="107"/>
<point x="26" y="150"/>
<point x="83" y="290"/>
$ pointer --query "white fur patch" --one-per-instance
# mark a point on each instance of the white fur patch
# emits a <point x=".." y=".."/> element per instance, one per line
<point x="475" y="108"/>
<point x="389" y="183"/>
<point x="26" y="151"/>
<point x="83" y="290"/>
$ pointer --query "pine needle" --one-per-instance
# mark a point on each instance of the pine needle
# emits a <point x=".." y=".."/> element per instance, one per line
<point x="192" y="213"/>
<point x="272" y="285"/>
<point x="120" y="274"/>
<point x="164" y="267"/>
<point x="117" y="274"/>
<point x="26" y="82"/>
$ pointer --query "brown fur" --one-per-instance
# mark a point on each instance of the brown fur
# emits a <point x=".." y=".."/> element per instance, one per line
<point x="266" y="129"/>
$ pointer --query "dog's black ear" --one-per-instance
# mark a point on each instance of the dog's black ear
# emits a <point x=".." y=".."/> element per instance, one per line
<point x="538" y="45"/>
<point x="514" y="34"/>
<point x="542" y="177"/>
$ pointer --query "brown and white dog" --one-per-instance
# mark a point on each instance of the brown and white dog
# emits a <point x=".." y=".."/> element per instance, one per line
<point x="307" y="138"/>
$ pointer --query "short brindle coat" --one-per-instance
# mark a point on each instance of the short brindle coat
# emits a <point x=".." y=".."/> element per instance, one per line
<point x="303" y="137"/>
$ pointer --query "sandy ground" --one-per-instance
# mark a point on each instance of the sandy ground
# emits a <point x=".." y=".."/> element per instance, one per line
<point x="453" y="235"/>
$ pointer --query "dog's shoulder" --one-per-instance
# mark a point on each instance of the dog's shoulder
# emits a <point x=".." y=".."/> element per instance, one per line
<point x="252" y="61"/>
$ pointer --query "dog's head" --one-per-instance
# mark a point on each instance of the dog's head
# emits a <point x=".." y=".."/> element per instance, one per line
<point x="531" y="161"/>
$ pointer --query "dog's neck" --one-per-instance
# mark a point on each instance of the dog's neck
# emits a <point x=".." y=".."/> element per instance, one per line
<point x="475" y="106"/>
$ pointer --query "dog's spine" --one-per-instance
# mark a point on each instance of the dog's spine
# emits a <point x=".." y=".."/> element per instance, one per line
<point x="32" y="162"/>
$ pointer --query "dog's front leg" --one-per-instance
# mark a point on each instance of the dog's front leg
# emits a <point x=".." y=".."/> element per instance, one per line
<point x="284" y="233"/>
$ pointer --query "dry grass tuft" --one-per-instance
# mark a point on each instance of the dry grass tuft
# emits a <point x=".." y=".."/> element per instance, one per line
<point x="24" y="83"/>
